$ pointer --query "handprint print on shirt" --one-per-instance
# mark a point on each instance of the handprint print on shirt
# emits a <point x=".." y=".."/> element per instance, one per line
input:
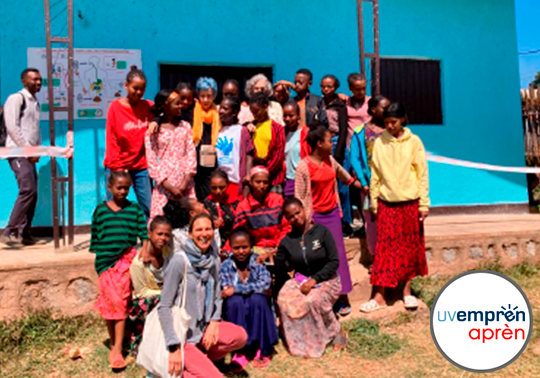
<point x="225" y="145"/>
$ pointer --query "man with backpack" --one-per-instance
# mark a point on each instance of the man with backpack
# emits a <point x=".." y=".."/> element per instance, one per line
<point x="20" y="124"/>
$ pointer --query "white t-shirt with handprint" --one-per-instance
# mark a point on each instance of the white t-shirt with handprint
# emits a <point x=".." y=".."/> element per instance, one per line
<point x="228" y="151"/>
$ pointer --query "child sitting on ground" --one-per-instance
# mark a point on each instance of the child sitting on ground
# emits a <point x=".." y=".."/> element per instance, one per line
<point x="147" y="271"/>
<point x="261" y="214"/>
<point x="245" y="284"/>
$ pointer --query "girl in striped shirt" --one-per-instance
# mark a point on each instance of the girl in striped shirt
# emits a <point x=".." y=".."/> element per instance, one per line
<point x="117" y="226"/>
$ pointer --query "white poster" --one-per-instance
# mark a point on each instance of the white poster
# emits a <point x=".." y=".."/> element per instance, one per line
<point x="99" y="76"/>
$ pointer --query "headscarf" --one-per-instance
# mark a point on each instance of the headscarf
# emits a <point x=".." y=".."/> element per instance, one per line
<point x="258" y="169"/>
<point x="205" y="266"/>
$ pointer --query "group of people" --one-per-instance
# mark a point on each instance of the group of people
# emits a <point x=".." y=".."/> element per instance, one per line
<point x="242" y="203"/>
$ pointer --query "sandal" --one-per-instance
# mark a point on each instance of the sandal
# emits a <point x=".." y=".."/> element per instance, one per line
<point x="238" y="364"/>
<point x="116" y="361"/>
<point x="340" y="341"/>
<point x="344" y="309"/>
<point x="261" y="361"/>
<point x="410" y="302"/>
<point x="371" y="306"/>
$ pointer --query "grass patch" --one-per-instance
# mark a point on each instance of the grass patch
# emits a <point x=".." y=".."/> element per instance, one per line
<point x="366" y="340"/>
<point x="40" y="331"/>
<point x="524" y="270"/>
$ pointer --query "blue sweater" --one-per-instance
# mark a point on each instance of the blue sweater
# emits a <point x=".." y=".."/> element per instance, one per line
<point x="359" y="155"/>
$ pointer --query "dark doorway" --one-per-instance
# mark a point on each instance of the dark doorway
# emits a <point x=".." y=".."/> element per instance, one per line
<point x="172" y="74"/>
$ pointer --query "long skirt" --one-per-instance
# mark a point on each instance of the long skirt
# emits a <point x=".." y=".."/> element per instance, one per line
<point x="140" y="308"/>
<point x="115" y="289"/>
<point x="288" y="191"/>
<point x="401" y="252"/>
<point x="253" y="313"/>
<point x="332" y="221"/>
<point x="309" y="322"/>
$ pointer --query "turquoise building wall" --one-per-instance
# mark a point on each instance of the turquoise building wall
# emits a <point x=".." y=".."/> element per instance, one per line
<point x="475" y="41"/>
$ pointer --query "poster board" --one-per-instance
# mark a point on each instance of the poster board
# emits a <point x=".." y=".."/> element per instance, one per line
<point x="99" y="76"/>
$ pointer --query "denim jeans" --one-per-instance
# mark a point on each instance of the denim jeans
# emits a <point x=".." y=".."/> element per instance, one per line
<point x="142" y="187"/>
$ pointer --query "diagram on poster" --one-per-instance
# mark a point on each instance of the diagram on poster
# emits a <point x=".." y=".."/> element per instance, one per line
<point x="99" y="76"/>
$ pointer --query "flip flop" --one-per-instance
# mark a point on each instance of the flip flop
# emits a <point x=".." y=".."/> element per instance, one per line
<point x="238" y="364"/>
<point x="371" y="306"/>
<point x="344" y="309"/>
<point x="261" y="361"/>
<point x="410" y="302"/>
<point x="116" y="361"/>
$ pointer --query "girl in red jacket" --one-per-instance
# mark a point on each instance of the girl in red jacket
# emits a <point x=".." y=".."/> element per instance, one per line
<point x="127" y="122"/>
<point x="261" y="214"/>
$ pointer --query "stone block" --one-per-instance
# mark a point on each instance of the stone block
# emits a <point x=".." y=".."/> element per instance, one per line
<point x="450" y="255"/>
<point x="429" y="254"/>
<point x="81" y="290"/>
<point x="34" y="295"/>
<point x="511" y="250"/>
<point x="531" y="248"/>
<point x="477" y="252"/>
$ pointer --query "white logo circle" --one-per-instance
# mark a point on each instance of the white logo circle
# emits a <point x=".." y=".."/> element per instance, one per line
<point x="481" y="321"/>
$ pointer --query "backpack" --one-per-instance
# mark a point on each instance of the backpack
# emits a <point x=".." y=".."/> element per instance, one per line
<point x="3" y="129"/>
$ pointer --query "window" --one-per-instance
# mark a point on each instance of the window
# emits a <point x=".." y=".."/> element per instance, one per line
<point x="172" y="74"/>
<point x="417" y="85"/>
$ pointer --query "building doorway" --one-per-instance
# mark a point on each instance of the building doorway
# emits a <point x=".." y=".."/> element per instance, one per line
<point x="172" y="74"/>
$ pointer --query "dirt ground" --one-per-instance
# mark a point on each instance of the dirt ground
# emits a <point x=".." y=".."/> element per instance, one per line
<point x="417" y="355"/>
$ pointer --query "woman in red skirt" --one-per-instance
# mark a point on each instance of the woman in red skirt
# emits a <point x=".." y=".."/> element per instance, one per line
<point x="399" y="193"/>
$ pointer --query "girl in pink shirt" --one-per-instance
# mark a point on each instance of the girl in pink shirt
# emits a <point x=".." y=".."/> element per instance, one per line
<point x="357" y="104"/>
<point x="170" y="152"/>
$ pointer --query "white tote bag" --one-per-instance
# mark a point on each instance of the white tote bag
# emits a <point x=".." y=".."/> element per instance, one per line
<point x="153" y="353"/>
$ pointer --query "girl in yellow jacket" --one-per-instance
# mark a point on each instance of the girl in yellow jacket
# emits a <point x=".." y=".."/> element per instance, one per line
<point x="399" y="192"/>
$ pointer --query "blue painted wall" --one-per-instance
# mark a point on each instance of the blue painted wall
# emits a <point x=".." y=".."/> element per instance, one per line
<point x="476" y="41"/>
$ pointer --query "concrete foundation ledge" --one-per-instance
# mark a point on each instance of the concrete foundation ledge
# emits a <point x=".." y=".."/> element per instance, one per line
<point x="66" y="282"/>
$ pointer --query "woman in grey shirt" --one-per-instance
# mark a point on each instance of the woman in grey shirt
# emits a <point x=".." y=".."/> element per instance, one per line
<point x="208" y="338"/>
